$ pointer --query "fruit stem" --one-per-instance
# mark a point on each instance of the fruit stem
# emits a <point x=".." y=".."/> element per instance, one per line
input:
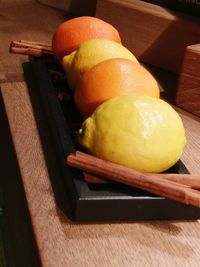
<point x="80" y="132"/>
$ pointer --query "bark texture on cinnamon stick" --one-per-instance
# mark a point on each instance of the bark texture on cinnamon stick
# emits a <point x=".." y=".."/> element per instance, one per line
<point x="30" y="48"/>
<point x="192" y="181"/>
<point x="148" y="182"/>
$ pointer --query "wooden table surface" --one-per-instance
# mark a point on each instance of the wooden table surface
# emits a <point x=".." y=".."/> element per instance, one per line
<point x="59" y="241"/>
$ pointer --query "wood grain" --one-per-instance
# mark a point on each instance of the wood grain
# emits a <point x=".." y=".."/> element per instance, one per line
<point x="76" y="7"/>
<point x="20" y="248"/>
<point x="188" y="90"/>
<point x="27" y="20"/>
<point x="34" y="172"/>
<point x="60" y="4"/>
<point x="62" y="243"/>
<point x="155" y="35"/>
<point x="11" y="77"/>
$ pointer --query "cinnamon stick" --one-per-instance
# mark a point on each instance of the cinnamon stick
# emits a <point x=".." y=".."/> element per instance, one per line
<point x="36" y="43"/>
<point x="30" y="48"/>
<point x="92" y="179"/>
<point x="148" y="182"/>
<point x="192" y="181"/>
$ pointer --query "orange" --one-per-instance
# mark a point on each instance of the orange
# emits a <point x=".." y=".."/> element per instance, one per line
<point x="70" y="34"/>
<point x="110" y="78"/>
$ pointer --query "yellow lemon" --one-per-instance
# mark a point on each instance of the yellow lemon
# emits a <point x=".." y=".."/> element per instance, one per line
<point x="136" y="131"/>
<point x="89" y="54"/>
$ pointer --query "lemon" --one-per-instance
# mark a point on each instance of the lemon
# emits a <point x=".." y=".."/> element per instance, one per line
<point x="89" y="54"/>
<point x="136" y="131"/>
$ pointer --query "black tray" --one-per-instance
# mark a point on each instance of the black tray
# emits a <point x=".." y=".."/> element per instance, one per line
<point x="58" y="121"/>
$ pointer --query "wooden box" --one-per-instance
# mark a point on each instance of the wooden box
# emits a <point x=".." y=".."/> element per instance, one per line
<point x="162" y="38"/>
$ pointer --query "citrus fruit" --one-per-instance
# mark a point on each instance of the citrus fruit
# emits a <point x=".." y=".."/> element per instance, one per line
<point x="110" y="78"/>
<point x="70" y="34"/>
<point x="136" y="131"/>
<point x="89" y="54"/>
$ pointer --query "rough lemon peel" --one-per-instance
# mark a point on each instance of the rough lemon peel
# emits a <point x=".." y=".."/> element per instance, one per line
<point x="154" y="155"/>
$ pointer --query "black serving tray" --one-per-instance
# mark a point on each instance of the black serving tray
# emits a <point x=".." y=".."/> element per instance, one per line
<point x="58" y="122"/>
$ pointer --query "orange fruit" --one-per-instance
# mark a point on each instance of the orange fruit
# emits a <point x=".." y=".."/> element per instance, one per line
<point x="110" y="78"/>
<point x="70" y="34"/>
